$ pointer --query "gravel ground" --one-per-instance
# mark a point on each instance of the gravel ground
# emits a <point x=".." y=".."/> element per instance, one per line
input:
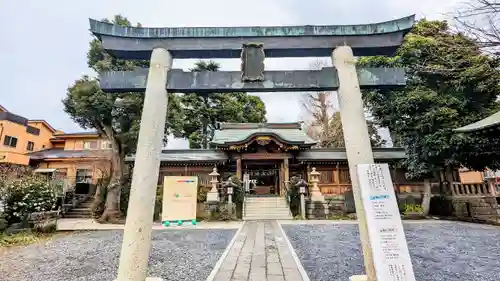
<point x="87" y="256"/>
<point x="439" y="251"/>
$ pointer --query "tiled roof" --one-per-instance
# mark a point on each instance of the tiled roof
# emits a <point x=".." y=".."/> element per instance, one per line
<point x="188" y="155"/>
<point x="488" y="122"/>
<point x="45" y="123"/>
<point x="55" y="153"/>
<point x="75" y="134"/>
<point x="233" y="133"/>
<point x="318" y="154"/>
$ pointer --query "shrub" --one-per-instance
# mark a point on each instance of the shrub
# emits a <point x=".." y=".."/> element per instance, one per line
<point x="46" y="227"/>
<point x="27" y="195"/>
<point x="222" y="213"/>
<point x="3" y="222"/>
<point x="441" y="206"/>
<point x="202" y="194"/>
<point x="293" y="195"/>
<point x="158" y="202"/>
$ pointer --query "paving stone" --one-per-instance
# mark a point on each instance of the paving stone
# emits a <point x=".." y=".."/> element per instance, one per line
<point x="274" y="268"/>
<point x="258" y="255"/>
<point x="273" y="258"/>
<point x="223" y="276"/>
<point x="275" y="278"/>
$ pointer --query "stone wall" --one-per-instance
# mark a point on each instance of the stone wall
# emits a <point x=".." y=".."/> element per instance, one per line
<point x="484" y="208"/>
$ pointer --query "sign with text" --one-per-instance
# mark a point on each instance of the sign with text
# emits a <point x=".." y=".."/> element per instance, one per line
<point x="179" y="198"/>
<point x="387" y="238"/>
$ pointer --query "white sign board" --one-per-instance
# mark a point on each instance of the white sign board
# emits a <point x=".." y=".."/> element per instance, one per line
<point x="179" y="198"/>
<point x="387" y="238"/>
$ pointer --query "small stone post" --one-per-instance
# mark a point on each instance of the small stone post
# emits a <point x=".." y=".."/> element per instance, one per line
<point x="301" y="185"/>
<point x="213" y="195"/>
<point x="230" y="185"/>
<point x="317" y="207"/>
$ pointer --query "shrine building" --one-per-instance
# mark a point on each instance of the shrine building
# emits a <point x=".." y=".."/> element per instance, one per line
<point x="271" y="153"/>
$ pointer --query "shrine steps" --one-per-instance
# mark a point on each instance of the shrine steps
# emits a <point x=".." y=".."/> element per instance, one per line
<point x="266" y="208"/>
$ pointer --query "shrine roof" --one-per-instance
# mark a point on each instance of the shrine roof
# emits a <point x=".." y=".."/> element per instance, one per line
<point x="233" y="133"/>
<point x="325" y="154"/>
<point x="315" y="154"/>
<point x="188" y="155"/>
<point x="486" y="123"/>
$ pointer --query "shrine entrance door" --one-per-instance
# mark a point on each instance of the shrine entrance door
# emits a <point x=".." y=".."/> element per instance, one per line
<point x="264" y="177"/>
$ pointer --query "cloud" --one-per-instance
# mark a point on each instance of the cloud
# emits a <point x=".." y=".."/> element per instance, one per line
<point x="44" y="42"/>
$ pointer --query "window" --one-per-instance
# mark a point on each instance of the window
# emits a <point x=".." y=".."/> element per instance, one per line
<point x="90" y="145"/>
<point x="83" y="175"/>
<point x="106" y="145"/>
<point x="10" y="141"/>
<point x="33" y="130"/>
<point x="31" y="146"/>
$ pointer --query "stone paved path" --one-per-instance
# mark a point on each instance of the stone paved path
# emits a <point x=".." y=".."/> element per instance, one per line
<point x="259" y="253"/>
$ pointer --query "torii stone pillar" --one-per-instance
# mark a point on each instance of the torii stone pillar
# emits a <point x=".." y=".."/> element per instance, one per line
<point x="356" y="138"/>
<point x="136" y="245"/>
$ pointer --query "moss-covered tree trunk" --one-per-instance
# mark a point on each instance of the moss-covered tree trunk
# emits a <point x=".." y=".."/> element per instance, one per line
<point x="112" y="211"/>
<point x="426" y="200"/>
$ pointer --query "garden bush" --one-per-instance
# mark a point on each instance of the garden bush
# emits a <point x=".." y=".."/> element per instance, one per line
<point x="441" y="206"/>
<point x="294" y="196"/>
<point x="27" y="195"/>
<point x="3" y="222"/>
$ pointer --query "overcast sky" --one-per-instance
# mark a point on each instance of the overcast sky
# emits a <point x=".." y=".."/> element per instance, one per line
<point x="43" y="44"/>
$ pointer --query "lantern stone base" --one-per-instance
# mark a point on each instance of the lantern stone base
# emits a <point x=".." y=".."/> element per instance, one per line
<point x="317" y="210"/>
<point x="213" y="196"/>
<point x="211" y="207"/>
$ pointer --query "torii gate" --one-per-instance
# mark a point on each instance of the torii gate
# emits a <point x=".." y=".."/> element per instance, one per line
<point x="252" y="45"/>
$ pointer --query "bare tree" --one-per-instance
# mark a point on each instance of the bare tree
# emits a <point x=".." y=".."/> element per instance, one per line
<point x="480" y="19"/>
<point x="320" y="109"/>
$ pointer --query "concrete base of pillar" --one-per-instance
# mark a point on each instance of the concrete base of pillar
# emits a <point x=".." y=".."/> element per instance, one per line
<point x="317" y="210"/>
<point x="358" y="278"/>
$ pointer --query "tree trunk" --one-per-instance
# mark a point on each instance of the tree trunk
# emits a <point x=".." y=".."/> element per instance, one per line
<point x="112" y="211"/>
<point x="325" y="119"/>
<point x="204" y="143"/>
<point x="426" y="200"/>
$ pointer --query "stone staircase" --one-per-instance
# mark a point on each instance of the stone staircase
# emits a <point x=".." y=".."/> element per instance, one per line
<point x="266" y="208"/>
<point x="82" y="211"/>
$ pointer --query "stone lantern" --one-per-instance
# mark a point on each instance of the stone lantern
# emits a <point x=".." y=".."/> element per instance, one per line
<point x="229" y="185"/>
<point x="315" y="192"/>
<point x="213" y="194"/>
<point x="317" y="208"/>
